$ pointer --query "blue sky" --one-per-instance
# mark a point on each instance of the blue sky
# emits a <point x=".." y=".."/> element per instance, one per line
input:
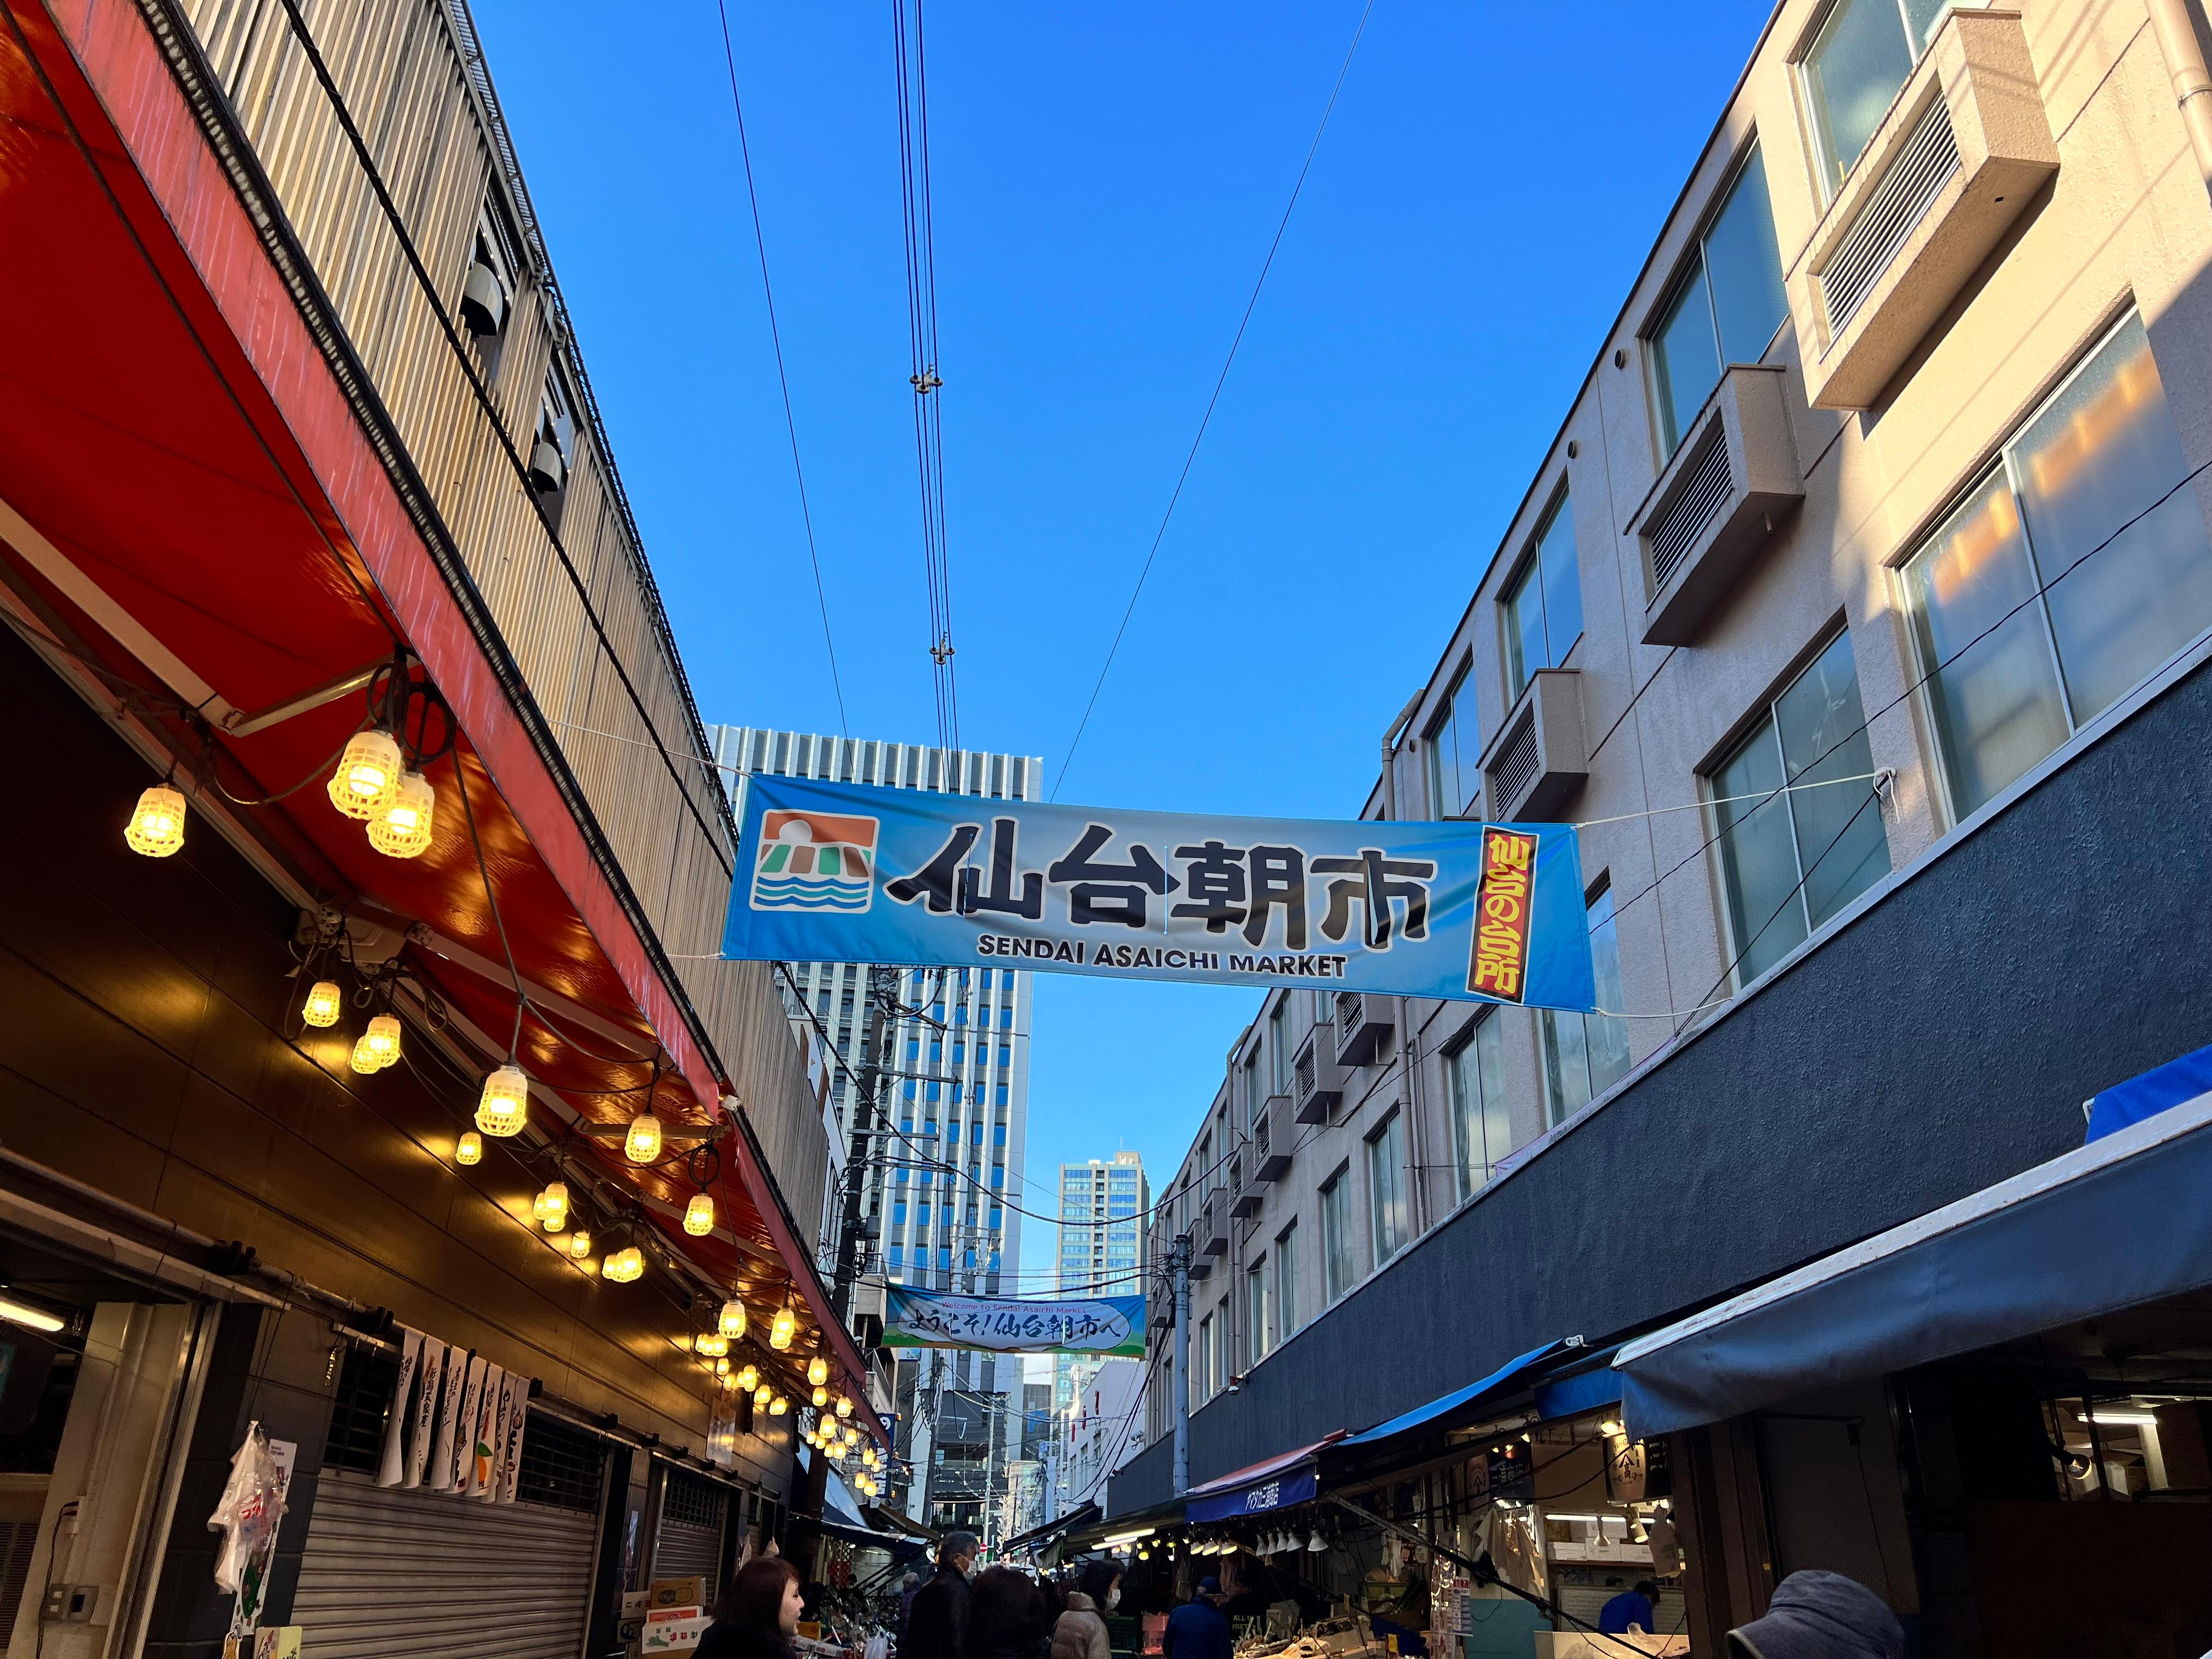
<point x="1106" y="179"/>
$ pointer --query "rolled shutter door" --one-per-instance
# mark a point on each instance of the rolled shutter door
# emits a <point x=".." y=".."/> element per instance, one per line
<point x="689" y="1543"/>
<point x="391" y="1573"/>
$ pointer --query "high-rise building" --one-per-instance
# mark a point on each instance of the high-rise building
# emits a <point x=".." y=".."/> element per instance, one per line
<point x="1102" y="1241"/>
<point x="936" y="1177"/>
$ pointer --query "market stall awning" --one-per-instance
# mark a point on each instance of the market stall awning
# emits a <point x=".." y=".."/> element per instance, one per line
<point x="1082" y="1516"/>
<point x="1476" y="1400"/>
<point x="2153" y="1092"/>
<point x="1261" y="1488"/>
<point x="1167" y="1512"/>
<point x="2124" y="1220"/>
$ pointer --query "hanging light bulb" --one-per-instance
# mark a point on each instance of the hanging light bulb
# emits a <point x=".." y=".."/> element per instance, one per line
<point x="157" y="823"/>
<point x="579" y="1244"/>
<point x="721" y="1368"/>
<point x="633" y="1264"/>
<point x="382" y="1037"/>
<point x="365" y="1059"/>
<point x="868" y="1457"/>
<point x="699" y="1215"/>
<point x="778" y="1407"/>
<point x="321" y="1008"/>
<point x="844" y="1404"/>
<point x="731" y="1320"/>
<point x="550" y="1209"/>
<point x="818" y="1370"/>
<point x="469" y="1149"/>
<point x="402" y="829"/>
<point x="763" y="1393"/>
<point x="729" y="1383"/>
<point x="713" y="1345"/>
<point x="642" y="1144"/>
<point x="780" y="1334"/>
<point x="367" y="777"/>
<point x="505" y="1104"/>
<point x="750" y="1377"/>
<point x="820" y="1398"/>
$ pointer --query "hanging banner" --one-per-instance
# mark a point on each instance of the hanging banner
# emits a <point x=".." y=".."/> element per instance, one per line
<point x="850" y="872"/>
<point x="1103" y="1328"/>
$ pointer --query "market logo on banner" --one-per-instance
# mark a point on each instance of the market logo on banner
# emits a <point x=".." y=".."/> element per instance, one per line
<point x="1499" y="964"/>
<point x="815" y="862"/>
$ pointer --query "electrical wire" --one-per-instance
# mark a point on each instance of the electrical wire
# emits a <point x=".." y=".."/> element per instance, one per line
<point x="776" y="339"/>
<point x="1206" y="419"/>
<point x="476" y="841"/>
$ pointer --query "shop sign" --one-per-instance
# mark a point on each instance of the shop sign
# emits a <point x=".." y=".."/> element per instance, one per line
<point x="851" y="872"/>
<point x="1260" y="1497"/>
<point x="1100" y="1327"/>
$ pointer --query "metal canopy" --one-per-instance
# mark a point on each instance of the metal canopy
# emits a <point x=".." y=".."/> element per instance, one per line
<point x="2124" y="1221"/>
<point x="1261" y="1488"/>
<point x="1463" y="1405"/>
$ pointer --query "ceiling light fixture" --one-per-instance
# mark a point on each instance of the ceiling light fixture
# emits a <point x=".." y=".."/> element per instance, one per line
<point x="731" y="1320"/>
<point x="469" y="1149"/>
<point x="323" y="1004"/>
<point x="367" y="778"/>
<point x="402" y="830"/>
<point x="157" y="823"/>
<point x="699" y="1215"/>
<point x="642" y="1144"/>
<point x="22" y="1313"/>
<point x="505" y="1107"/>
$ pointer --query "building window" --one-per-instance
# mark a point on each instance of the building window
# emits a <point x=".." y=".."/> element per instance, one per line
<point x="1790" y="861"/>
<point x="2076" y="568"/>
<point x="1480" y="1134"/>
<point x="1585" y="1055"/>
<point x="1386" y="1188"/>
<point x="1454" y="741"/>
<point x="1256" y="1310"/>
<point x="1336" y="1236"/>
<point x="1323" y="1012"/>
<point x="1279" y="1045"/>
<point x="1286" y="1281"/>
<point x="1202" y="1370"/>
<point x="1864" y="52"/>
<point x="1728" y="305"/>
<point x="1251" y="1091"/>
<point x="1544" y="605"/>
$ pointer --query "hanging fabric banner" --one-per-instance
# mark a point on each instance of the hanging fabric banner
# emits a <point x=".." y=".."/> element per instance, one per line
<point x="850" y="872"/>
<point x="1103" y="1328"/>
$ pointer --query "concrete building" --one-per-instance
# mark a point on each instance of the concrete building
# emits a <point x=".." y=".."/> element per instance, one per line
<point x="1888" y="483"/>
<point x="935" y="1184"/>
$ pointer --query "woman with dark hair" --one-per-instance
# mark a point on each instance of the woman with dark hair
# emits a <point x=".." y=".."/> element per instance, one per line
<point x="757" y="1615"/>
<point x="1081" y="1631"/>
<point x="1005" y="1617"/>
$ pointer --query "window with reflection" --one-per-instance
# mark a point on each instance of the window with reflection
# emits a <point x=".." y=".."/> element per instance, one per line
<point x="2070" y="572"/>
<point x="1585" y="1055"/>
<point x="1727" y="309"/>
<point x="1454" y="740"/>
<point x="1864" y="54"/>
<point x="1475" y="1072"/>
<point x="1544" y="603"/>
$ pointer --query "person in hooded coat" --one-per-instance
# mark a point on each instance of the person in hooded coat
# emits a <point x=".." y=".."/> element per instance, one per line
<point x="1081" y="1631"/>
<point x="1820" y="1615"/>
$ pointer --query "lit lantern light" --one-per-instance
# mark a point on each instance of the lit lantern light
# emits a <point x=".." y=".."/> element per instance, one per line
<point x="778" y="1407"/>
<point x="628" y="1265"/>
<point x="323" y="1004"/>
<point x="579" y="1244"/>
<point x="868" y="1457"/>
<point x="721" y="1368"/>
<point x="750" y="1379"/>
<point x="402" y="830"/>
<point x="365" y="1058"/>
<point x="367" y="777"/>
<point x="157" y="823"/>
<point x="817" y="1372"/>
<point x="505" y="1104"/>
<point x="732" y="1322"/>
<point x="382" y="1037"/>
<point x="550" y="1209"/>
<point x="642" y="1144"/>
<point x="763" y="1393"/>
<point x="730" y="1384"/>
<point x="780" y="1334"/>
<point x="469" y="1149"/>
<point x="712" y="1345"/>
<point x="821" y="1398"/>
<point x="844" y="1404"/>
<point x="699" y="1215"/>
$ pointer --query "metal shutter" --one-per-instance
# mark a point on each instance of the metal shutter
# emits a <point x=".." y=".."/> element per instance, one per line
<point x="690" y="1542"/>
<point x="394" y="1574"/>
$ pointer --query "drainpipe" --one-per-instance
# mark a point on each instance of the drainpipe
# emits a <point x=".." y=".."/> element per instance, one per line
<point x="2192" y="86"/>
<point x="1391" y="733"/>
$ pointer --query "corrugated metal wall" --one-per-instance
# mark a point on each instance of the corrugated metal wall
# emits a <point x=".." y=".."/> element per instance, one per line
<point x="573" y="599"/>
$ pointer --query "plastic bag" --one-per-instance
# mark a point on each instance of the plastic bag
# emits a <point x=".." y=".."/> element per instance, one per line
<point x="252" y="1504"/>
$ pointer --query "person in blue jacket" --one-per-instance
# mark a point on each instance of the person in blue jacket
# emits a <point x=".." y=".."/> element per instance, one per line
<point x="1199" y="1629"/>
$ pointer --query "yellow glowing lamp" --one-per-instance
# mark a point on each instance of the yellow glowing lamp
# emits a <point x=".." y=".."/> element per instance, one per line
<point x="642" y="1144"/>
<point x="550" y="1209"/>
<point x="699" y="1215"/>
<point x="780" y="1334"/>
<point x="817" y="1372"/>
<point x="750" y="1377"/>
<point x="729" y="1383"/>
<point x="382" y="1037"/>
<point x="629" y="1262"/>
<point x="367" y="778"/>
<point x="469" y="1149"/>
<point x="505" y="1106"/>
<point x="323" y="1004"/>
<point x="844" y="1404"/>
<point x="763" y="1393"/>
<point x="721" y="1368"/>
<point x="868" y="1457"/>
<point x="820" y="1398"/>
<point x="364" y="1057"/>
<point x="157" y="823"/>
<point x="778" y="1407"/>
<point x="402" y="830"/>
<point x="579" y="1244"/>
<point x="711" y="1345"/>
<point x="732" y="1322"/>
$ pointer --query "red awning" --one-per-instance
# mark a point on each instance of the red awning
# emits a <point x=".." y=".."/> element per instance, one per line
<point x="187" y="495"/>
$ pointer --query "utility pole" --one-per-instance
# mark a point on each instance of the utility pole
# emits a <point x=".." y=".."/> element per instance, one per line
<point x="1179" y="1265"/>
<point x="859" y="1136"/>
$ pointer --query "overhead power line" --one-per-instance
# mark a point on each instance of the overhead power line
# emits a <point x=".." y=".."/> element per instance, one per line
<point x="775" y="337"/>
<point x="1206" y="419"/>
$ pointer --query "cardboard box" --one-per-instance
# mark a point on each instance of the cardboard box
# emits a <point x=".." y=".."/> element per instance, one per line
<point x="672" y="1635"/>
<point x="676" y="1593"/>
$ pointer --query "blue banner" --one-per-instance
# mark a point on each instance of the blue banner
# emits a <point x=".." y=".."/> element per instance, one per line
<point x="1260" y="1497"/>
<point x="850" y="872"/>
<point x="1102" y="1327"/>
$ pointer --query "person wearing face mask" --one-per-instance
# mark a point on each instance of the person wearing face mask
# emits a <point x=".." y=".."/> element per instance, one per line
<point x="1081" y="1631"/>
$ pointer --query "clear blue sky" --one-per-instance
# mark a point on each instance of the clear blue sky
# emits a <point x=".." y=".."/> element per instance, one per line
<point x="1107" y="178"/>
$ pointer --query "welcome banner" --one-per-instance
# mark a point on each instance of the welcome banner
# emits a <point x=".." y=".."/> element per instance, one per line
<point x="1102" y="1326"/>
<point x="851" y="872"/>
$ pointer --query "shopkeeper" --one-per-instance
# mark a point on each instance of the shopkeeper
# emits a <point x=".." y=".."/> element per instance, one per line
<point x="1630" y="1610"/>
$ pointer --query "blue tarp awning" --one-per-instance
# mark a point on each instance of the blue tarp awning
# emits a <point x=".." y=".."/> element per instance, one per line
<point x="1261" y="1488"/>
<point x="2153" y="1092"/>
<point x="2124" y="1220"/>
<point x="1448" y="1411"/>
